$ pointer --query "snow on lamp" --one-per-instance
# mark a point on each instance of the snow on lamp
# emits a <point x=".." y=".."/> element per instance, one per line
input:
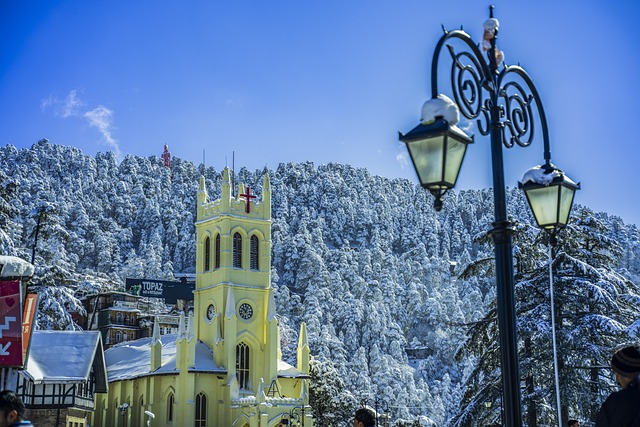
<point x="550" y="195"/>
<point x="437" y="147"/>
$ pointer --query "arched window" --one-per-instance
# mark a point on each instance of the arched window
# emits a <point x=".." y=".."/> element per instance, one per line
<point x="242" y="365"/>
<point x="254" y="252"/>
<point x="237" y="250"/>
<point x="217" y="252"/>
<point x="201" y="410"/>
<point x="118" y="337"/>
<point x="170" y="402"/>
<point x="207" y="254"/>
<point x="125" y="336"/>
<point x="119" y="318"/>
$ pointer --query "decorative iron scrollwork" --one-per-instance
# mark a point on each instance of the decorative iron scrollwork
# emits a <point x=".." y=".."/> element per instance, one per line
<point x="476" y="88"/>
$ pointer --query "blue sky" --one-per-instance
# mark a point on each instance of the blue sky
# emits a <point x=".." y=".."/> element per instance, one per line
<point x="332" y="81"/>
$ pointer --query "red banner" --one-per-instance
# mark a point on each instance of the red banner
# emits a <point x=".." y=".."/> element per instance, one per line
<point x="30" y="310"/>
<point x="10" y="324"/>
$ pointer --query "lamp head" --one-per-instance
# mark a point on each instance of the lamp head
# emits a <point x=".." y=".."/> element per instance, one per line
<point x="550" y="194"/>
<point x="437" y="150"/>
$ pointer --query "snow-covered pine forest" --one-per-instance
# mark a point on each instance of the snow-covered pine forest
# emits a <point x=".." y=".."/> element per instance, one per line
<point x="399" y="300"/>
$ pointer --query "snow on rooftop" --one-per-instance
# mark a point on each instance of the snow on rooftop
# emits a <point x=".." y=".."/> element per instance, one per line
<point x="11" y="266"/>
<point x="286" y="370"/>
<point x="123" y="308"/>
<point x="48" y="350"/>
<point x="132" y="359"/>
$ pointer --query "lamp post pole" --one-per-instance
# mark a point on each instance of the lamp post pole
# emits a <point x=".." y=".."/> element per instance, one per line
<point x="501" y="100"/>
<point x="298" y="414"/>
<point x="123" y="411"/>
<point x="505" y="288"/>
<point x="552" y="244"/>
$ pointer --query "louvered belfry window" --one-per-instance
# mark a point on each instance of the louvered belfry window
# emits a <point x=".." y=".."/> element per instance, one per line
<point x="207" y="254"/>
<point x="217" y="252"/>
<point x="254" y="252"/>
<point x="237" y="250"/>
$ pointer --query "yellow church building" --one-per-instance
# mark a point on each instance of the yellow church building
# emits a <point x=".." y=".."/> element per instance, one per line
<point x="224" y="366"/>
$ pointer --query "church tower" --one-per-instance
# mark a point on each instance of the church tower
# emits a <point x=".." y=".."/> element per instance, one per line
<point x="233" y="301"/>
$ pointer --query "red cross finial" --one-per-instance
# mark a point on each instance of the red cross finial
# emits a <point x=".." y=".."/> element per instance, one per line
<point x="247" y="198"/>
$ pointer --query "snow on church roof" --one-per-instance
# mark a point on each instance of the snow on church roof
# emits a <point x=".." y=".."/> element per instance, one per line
<point x="287" y="371"/>
<point x="132" y="359"/>
<point x="62" y="356"/>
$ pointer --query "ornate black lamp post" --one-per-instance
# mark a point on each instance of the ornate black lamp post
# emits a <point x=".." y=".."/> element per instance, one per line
<point x="123" y="411"/>
<point x="501" y="100"/>
<point x="297" y="414"/>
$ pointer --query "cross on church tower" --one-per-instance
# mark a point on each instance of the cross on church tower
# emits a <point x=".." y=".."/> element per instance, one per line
<point x="247" y="197"/>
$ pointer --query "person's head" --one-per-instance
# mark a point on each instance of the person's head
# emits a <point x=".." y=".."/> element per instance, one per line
<point x="626" y="365"/>
<point x="365" y="417"/>
<point x="11" y="408"/>
<point x="573" y="423"/>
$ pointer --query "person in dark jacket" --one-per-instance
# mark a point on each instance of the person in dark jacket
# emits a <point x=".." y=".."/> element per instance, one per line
<point x="622" y="408"/>
<point x="12" y="410"/>
<point x="365" y="417"/>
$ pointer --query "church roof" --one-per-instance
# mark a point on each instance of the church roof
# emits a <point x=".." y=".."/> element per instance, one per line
<point x="65" y="357"/>
<point x="132" y="359"/>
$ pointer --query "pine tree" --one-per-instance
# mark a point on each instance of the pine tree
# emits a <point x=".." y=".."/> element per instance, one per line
<point x="594" y="304"/>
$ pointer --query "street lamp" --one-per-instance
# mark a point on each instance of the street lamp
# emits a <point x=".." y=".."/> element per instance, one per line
<point x="550" y="195"/>
<point x="149" y="415"/>
<point x="123" y="411"/>
<point x="437" y="149"/>
<point x="297" y="413"/>
<point x="501" y="100"/>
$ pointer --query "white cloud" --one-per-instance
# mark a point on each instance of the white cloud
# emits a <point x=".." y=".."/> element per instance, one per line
<point x="71" y="105"/>
<point x="101" y="118"/>
<point x="65" y="108"/>
<point x="47" y="102"/>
